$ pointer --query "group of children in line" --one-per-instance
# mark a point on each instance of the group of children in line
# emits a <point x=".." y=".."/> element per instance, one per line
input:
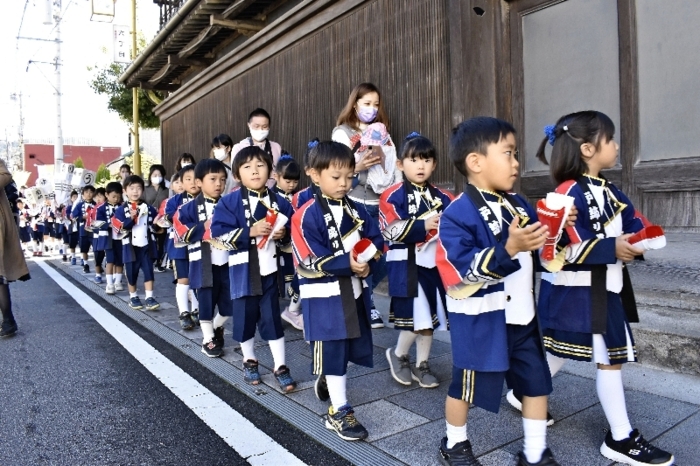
<point x="466" y="263"/>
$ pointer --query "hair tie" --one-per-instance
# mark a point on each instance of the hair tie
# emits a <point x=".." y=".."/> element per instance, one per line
<point x="413" y="135"/>
<point x="565" y="128"/>
<point x="550" y="133"/>
<point x="313" y="143"/>
<point x="286" y="157"/>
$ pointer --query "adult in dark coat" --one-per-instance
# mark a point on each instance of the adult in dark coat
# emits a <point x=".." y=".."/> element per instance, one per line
<point x="155" y="193"/>
<point x="12" y="264"/>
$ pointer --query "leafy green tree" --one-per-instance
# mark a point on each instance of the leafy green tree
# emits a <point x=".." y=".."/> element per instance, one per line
<point x="106" y="82"/>
<point x="78" y="163"/>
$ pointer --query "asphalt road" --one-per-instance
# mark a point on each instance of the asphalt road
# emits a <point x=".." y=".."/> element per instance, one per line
<point x="70" y="394"/>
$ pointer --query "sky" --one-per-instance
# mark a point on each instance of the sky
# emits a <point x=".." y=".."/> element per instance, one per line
<point x="85" y="44"/>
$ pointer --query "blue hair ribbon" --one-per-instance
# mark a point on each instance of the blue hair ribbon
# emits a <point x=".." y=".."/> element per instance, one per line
<point x="313" y="143"/>
<point x="412" y="135"/>
<point x="550" y="133"/>
<point x="286" y="157"/>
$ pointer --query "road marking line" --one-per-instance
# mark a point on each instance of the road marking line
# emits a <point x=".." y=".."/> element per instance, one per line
<point x="237" y="431"/>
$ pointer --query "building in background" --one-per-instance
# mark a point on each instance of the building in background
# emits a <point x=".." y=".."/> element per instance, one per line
<point x="438" y="62"/>
<point x="92" y="156"/>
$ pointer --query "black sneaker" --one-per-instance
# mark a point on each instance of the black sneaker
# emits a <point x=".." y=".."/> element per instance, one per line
<point x="546" y="460"/>
<point x="194" y="315"/>
<point x="517" y="402"/>
<point x="160" y="269"/>
<point x="459" y="455"/>
<point x="321" y="388"/>
<point x="8" y="329"/>
<point x="212" y="350"/>
<point x="251" y="375"/>
<point x="64" y="258"/>
<point x="344" y="423"/>
<point x="219" y="336"/>
<point x="86" y="268"/>
<point x="284" y="378"/>
<point x="185" y="321"/>
<point x="376" y="319"/>
<point x="634" y="450"/>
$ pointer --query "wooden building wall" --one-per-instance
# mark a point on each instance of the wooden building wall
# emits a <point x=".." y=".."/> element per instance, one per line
<point x="397" y="44"/>
<point x="438" y="62"/>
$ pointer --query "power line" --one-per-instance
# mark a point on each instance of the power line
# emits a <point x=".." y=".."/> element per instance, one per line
<point x="22" y="20"/>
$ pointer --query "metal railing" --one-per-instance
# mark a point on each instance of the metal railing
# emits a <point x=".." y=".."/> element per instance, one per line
<point x="168" y="8"/>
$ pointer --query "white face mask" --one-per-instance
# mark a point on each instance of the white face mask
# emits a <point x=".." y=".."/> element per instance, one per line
<point x="156" y="180"/>
<point x="185" y="164"/>
<point x="220" y="154"/>
<point x="259" y="134"/>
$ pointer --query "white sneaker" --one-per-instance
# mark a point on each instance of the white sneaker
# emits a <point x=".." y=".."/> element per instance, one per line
<point x="110" y="289"/>
<point x="295" y="320"/>
<point x="118" y="286"/>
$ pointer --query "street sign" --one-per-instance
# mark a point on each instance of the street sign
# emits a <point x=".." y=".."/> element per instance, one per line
<point x="122" y="43"/>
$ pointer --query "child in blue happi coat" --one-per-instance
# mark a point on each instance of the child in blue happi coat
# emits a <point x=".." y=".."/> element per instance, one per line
<point x="336" y="243"/>
<point x="79" y="214"/>
<point x="252" y="220"/>
<point x="108" y="240"/>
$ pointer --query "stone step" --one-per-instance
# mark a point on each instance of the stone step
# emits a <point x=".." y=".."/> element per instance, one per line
<point x="668" y="338"/>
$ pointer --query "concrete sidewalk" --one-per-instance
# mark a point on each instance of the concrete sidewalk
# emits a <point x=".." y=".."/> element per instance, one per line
<point x="407" y="423"/>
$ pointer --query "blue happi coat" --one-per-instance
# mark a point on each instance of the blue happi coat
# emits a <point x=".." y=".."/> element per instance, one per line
<point x="229" y="225"/>
<point x="123" y="222"/>
<point x="103" y="234"/>
<point x="78" y="214"/>
<point x="171" y="207"/>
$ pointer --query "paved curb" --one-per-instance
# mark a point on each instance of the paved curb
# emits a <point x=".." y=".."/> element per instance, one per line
<point x="283" y="407"/>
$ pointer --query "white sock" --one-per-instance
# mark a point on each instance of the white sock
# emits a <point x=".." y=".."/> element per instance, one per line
<point x="277" y="350"/>
<point x="423" y="344"/>
<point x="295" y="306"/>
<point x="535" y="442"/>
<point x="117" y="278"/>
<point x="555" y="363"/>
<point x="219" y="320"/>
<point x="337" y="385"/>
<point x="404" y="342"/>
<point x="135" y="294"/>
<point x="455" y="434"/>
<point x="248" y="349"/>
<point x="149" y="294"/>
<point x="181" y="297"/>
<point x="612" y="398"/>
<point x="207" y="330"/>
<point x="110" y="279"/>
<point x="195" y="301"/>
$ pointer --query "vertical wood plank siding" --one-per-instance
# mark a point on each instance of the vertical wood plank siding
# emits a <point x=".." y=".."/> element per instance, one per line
<point x="400" y="45"/>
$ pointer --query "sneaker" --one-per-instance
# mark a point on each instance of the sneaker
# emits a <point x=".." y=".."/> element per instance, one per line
<point x="634" y="450"/>
<point x="194" y="315"/>
<point x="344" y="423"/>
<point x="517" y="403"/>
<point x="459" y="455"/>
<point x="118" y="286"/>
<point x="400" y="367"/>
<point x="98" y="279"/>
<point x="135" y="303"/>
<point x="152" y="304"/>
<point x="219" y="336"/>
<point x="82" y="262"/>
<point x="7" y="329"/>
<point x="284" y="378"/>
<point x="321" y="388"/>
<point x="295" y="320"/>
<point x="39" y="254"/>
<point x="73" y="261"/>
<point x="109" y="289"/>
<point x="185" y="321"/>
<point x="64" y="258"/>
<point x="86" y="268"/>
<point x="424" y="376"/>
<point x="160" y="269"/>
<point x="377" y="321"/>
<point x="250" y="372"/>
<point x="212" y="350"/>
<point x="546" y="460"/>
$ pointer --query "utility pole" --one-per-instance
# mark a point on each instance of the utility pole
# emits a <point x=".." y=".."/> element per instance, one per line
<point x="135" y="94"/>
<point x="58" y="144"/>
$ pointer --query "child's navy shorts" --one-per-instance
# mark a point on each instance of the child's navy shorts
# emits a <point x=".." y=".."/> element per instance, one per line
<point x="528" y="374"/>
<point x="85" y="242"/>
<point x="261" y="311"/>
<point x="114" y="255"/>
<point x="73" y="240"/>
<point x="142" y="261"/>
<point x="218" y="296"/>
<point x="331" y="357"/>
<point x="181" y="268"/>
